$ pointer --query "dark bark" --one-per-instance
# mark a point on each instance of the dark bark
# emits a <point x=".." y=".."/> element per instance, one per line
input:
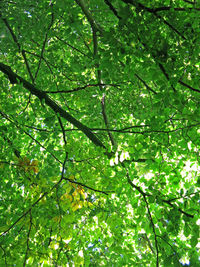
<point x="43" y="96"/>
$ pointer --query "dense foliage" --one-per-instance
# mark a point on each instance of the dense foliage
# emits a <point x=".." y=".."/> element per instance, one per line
<point x="100" y="133"/>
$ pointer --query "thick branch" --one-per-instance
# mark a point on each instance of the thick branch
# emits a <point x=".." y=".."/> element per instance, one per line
<point x="13" y="77"/>
<point x="88" y="15"/>
<point x="111" y="7"/>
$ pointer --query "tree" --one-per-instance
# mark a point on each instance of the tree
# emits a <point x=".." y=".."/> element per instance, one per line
<point x="100" y="133"/>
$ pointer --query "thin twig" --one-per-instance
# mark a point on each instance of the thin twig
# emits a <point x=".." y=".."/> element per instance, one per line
<point x="189" y="2"/>
<point x="166" y="8"/>
<point x="179" y="209"/>
<point x="189" y="87"/>
<point x="145" y="84"/>
<point x="103" y="105"/>
<point x="144" y="195"/>
<point x="88" y="187"/>
<point x="150" y="10"/>
<point x="64" y="163"/>
<point x="154" y="231"/>
<point x="63" y="130"/>
<point x="147" y="131"/>
<point x="23" y="215"/>
<point x="44" y="43"/>
<point x="33" y="205"/>
<point x="35" y="140"/>
<point x="74" y="48"/>
<point x="80" y="88"/>
<point x="4" y="254"/>
<point x="28" y="240"/>
<point x="19" y="47"/>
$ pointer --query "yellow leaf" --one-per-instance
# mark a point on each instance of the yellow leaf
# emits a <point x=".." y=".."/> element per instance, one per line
<point x="84" y="195"/>
<point x="75" y="206"/>
<point x="80" y="204"/>
<point x="80" y="189"/>
<point x="76" y="195"/>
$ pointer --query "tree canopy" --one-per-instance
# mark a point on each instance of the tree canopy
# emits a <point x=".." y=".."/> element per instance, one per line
<point x="100" y="133"/>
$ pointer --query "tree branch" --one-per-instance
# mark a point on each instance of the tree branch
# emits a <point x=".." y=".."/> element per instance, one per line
<point x="89" y="17"/>
<point x="42" y="95"/>
<point x="189" y="2"/>
<point x="19" y="47"/>
<point x="28" y="239"/>
<point x="166" y="8"/>
<point x="145" y="84"/>
<point x="144" y="194"/>
<point x="74" y="48"/>
<point x="189" y="87"/>
<point x="103" y="106"/>
<point x="111" y="7"/>
<point x="17" y="153"/>
<point x="80" y="88"/>
<point x="36" y="202"/>
<point x="86" y="186"/>
<point x="154" y="231"/>
<point x="24" y="214"/>
<point x="150" y="10"/>
<point x="44" y="43"/>
<point x="179" y="209"/>
<point x="63" y="130"/>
